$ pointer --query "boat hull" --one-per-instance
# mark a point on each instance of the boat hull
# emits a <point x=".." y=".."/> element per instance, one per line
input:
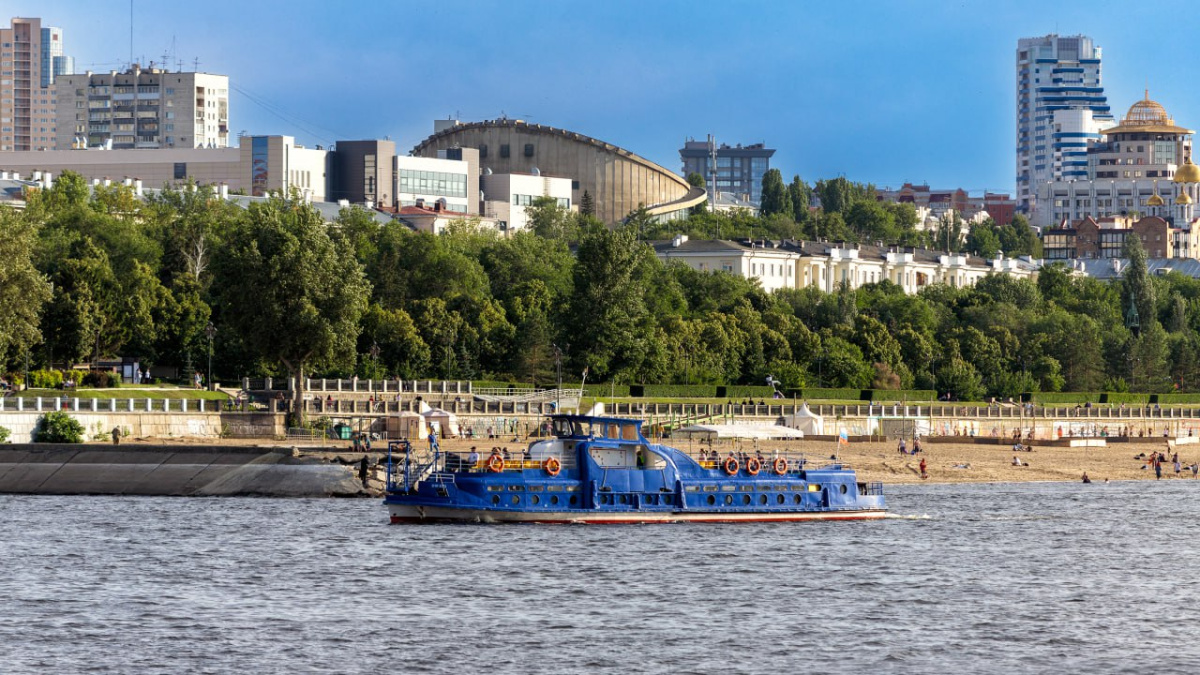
<point x="403" y="513"/>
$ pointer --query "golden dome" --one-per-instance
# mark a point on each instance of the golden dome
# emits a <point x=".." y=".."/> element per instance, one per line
<point x="1147" y="113"/>
<point x="1188" y="173"/>
<point x="1183" y="197"/>
<point x="1154" y="200"/>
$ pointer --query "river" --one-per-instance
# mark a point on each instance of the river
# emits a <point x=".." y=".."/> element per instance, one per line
<point x="1045" y="577"/>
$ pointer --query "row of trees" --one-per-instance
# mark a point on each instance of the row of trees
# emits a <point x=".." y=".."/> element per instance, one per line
<point x="85" y="275"/>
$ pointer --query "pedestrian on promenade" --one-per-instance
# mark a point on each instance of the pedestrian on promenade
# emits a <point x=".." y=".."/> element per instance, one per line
<point x="116" y="435"/>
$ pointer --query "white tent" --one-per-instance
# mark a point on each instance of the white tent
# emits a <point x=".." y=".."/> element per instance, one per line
<point x="807" y="421"/>
<point x="445" y="422"/>
<point x="719" y="431"/>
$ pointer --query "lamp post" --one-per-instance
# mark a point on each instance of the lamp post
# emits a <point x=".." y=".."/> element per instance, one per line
<point x="374" y="360"/>
<point x="210" y="331"/>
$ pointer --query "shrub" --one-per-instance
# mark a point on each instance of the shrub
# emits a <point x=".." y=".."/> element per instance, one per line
<point x="908" y="395"/>
<point x="1177" y="399"/>
<point x="101" y="379"/>
<point x="4" y="433"/>
<point x="745" y="391"/>
<point x="831" y="394"/>
<point x="45" y="379"/>
<point x="59" y="427"/>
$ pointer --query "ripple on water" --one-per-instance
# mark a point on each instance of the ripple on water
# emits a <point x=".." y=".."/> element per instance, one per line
<point x="959" y="579"/>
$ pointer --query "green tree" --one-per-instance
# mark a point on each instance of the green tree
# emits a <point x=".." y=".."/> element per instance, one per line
<point x="289" y="291"/>
<point x="587" y="205"/>
<point x="982" y="240"/>
<point x="696" y="180"/>
<point x="23" y="290"/>
<point x="1136" y="290"/>
<point x="775" y="198"/>
<point x="801" y="195"/>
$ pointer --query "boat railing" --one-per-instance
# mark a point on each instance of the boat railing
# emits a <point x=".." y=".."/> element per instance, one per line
<point x="795" y="461"/>
<point x="874" y="488"/>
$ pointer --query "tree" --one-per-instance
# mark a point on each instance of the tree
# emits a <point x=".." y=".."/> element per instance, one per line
<point x="801" y="195"/>
<point x="23" y="290"/>
<point x="775" y="198"/>
<point x="291" y="294"/>
<point x="547" y="219"/>
<point x="587" y="205"/>
<point x="1137" y="293"/>
<point x="982" y="240"/>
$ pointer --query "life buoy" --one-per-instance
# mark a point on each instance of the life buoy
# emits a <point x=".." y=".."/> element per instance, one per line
<point x="731" y="465"/>
<point x="753" y="466"/>
<point x="495" y="464"/>
<point x="552" y="466"/>
<point x="781" y="466"/>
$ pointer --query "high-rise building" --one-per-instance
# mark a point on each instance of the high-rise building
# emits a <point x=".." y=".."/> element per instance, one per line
<point x="143" y="108"/>
<point x="54" y="62"/>
<point x="1061" y="110"/>
<point x="30" y="55"/>
<point x="739" y="169"/>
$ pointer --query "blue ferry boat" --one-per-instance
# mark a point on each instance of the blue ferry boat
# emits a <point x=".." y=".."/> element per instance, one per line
<point x="603" y="470"/>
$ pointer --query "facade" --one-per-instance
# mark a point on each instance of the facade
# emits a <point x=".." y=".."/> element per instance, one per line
<point x="1141" y="167"/>
<point x="427" y="181"/>
<point x="617" y="180"/>
<point x="261" y="164"/>
<point x="142" y="108"/>
<point x="27" y="103"/>
<point x="738" y="170"/>
<point x="937" y="204"/>
<point x="1061" y="109"/>
<point x="363" y="173"/>
<point x="1104" y="239"/>
<point x="826" y="266"/>
<point x="435" y="219"/>
<point x="506" y="195"/>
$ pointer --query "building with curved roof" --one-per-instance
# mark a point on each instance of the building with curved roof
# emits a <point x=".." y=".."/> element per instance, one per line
<point x="617" y="180"/>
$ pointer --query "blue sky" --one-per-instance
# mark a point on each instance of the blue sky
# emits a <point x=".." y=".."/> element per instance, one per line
<point x="881" y="92"/>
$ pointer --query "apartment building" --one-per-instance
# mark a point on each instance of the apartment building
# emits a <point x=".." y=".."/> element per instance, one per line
<point x="31" y="58"/>
<point x="142" y="108"/>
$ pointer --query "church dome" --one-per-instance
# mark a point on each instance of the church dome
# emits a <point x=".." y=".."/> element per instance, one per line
<point x="1146" y="112"/>
<point x="1183" y="197"/>
<point x="1188" y="173"/>
<point x="1154" y="200"/>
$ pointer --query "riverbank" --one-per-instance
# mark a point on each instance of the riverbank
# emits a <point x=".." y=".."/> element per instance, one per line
<point x="948" y="462"/>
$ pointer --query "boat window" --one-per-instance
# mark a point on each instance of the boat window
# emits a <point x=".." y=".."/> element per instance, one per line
<point x="495" y="499"/>
<point x="729" y="499"/>
<point x="843" y="488"/>
<point x="728" y="488"/>
<point x="574" y="500"/>
<point x="710" y="488"/>
<point x="572" y="488"/>
<point x="495" y="488"/>
<point x="535" y="500"/>
<point x="796" y="498"/>
<point x="554" y="488"/>
<point x="516" y="488"/>
<point x="711" y="500"/>
<point x="516" y="499"/>
<point x="746" y="488"/>
<point x="745" y="499"/>
<point x="629" y="432"/>
<point x="779" y="499"/>
<point x="553" y="499"/>
<point x="562" y="427"/>
<point x="813" y="487"/>
<point x="692" y="488"/>
<point x="536" y="488"/>
<point x="762" y="499"/>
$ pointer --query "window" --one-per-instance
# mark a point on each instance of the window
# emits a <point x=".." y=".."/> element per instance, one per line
<point x="483" y="151"/>
<point x="180" y="170"/>
<point x="529" y="149"/>
<point x="504" y="150"/>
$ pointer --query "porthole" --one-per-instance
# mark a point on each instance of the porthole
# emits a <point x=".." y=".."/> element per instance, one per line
<point x="516" y="499"/>
<point x="779" y="499"/>
<point x="797" y="498"/>
<point x="495" y="499"/>
<point x="762" y="499"/>
<point x="535" y="500"/>
<point x="711" y="499"/>
<point x="843" y="488"/>
<point x="729" y="500"/>
<point x="624" y="499"/>
<point x="746" y="500"/>
<point x="574" y="500"/>
<point x="554" y="499"/>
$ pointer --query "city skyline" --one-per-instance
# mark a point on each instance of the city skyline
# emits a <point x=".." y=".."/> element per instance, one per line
<point x="878" y="93"/>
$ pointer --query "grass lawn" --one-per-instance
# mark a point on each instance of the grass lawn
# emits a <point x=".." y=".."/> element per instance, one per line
<point x="126" y="392"/>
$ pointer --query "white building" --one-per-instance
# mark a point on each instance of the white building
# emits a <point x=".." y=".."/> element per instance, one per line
<point x="142" y="108"/>
<point x="826" y="266"/>
<point x="1061" y="109"/>
<point x="431" y="180"/>
<point x="506" y="196"/>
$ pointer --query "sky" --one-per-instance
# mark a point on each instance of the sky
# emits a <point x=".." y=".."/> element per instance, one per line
<point x="880" y="92"/>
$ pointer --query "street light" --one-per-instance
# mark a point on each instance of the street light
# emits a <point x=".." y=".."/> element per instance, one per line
<point x="374" y="360"/>
<point x="211" y="331"/>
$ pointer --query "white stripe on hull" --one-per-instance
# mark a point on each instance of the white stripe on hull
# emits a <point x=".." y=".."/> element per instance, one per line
<point x="417" y="514"/>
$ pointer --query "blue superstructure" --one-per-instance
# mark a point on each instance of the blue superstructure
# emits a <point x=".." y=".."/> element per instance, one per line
<point x="602" y="470"/>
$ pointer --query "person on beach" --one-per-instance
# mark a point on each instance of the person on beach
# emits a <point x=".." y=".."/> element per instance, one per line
<point x="924" y="473"/>
<point x="1085" y="478"/>
<point x="1178" y="466"/>
<point x="116" y="435"/>
<point x="1016" y="461"/>
<point x="1195" y="469"/>
<point x="1156" y="461"/>
<point x="902" y="448"/>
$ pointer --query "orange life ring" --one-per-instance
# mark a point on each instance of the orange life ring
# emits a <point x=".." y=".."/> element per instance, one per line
<point x="495" y="464"/>
<point x="731" y="465"/>
<point x="781" y="466"/>
<point x="753" y="466"/>
<point x="552" y="466"/>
